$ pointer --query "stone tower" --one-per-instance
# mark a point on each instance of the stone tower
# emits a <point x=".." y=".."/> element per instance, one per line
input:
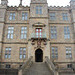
<point x="4" y="2"/>
<point x="72" y="4"/>
<point x="40" y="19"/>
<point x="3" y="7"/>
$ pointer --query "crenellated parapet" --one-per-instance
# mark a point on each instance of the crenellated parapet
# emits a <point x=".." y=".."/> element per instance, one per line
<point x="59" y="8"/>
<point x="15" y="8"/>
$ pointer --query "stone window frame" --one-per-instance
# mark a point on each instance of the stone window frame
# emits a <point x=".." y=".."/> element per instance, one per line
<point x="39" y="10"/>
<point x="38" y="32"/>
<point x="10" y="34"/>
<point x="25" y="16"/>
<point x="23" y="32"/>
<point x="7" y="66"/>
<point x="7" y="52"/>
<point x="12" y="16"/>
<point x="52" y="16"/>
<point x="69" y="65"/>
<point x="53" y="30"/>
<point x="54" y="54"/>
<point x="65" y="16"/>
<point x="66" y="32"/>
<point x="22" y="52"/>
<point x="68" y="52"/>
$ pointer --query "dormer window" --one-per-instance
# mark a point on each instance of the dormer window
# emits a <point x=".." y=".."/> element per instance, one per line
<point x="38" y="9"/>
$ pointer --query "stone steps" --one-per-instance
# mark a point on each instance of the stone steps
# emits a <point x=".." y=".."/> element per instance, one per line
<point x="39" y="68"/>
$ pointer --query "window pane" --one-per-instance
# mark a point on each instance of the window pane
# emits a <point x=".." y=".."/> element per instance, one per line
<point x="52" y="16"/>
<point x="68" y="52"/>
<point x="53" y="32"/>
<point x="10" y="32"/>
<point x="12" y="16"/>
<point x="24" y="16"/>
<point x="22" y="53"/>
<point x="66" y="32"/>
<point x="38" y="9"/>
<point x="20" y="56"/>
<point x="23" y="32"/>
<point x="54" y="52"/>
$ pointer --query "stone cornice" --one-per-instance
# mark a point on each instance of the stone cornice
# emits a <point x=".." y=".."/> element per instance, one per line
<point x="61" y="43"/>
<point x="65" y="62"/>
<point x="13" y="42"/>
<point x="38" y="17"/>
<point x="60" y="23"/>
<point x="11" y="62"/>
<point x="27" y="42"/>
<point x="15" y="23"/>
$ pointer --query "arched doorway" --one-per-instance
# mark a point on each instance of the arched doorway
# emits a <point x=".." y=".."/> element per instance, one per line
<point x="38" y="55"/>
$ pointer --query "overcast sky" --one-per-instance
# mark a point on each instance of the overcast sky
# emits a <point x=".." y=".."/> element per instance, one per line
<point x="50" y="2"/>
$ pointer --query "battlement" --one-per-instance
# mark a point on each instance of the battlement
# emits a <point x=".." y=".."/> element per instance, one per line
<point x="59" y="7"/>
<point x="14" y="8"/>
<point x="38" y="1"/>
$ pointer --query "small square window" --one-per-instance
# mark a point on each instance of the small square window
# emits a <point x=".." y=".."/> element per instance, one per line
<point x="8" y="66"/>
<point x="69" y="66"/>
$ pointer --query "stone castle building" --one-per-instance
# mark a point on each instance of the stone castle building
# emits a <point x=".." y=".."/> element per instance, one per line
<point x="37" y="31"/>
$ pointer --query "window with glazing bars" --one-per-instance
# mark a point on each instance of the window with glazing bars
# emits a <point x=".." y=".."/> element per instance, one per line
<point x="68" y="52"/>
<point x="8" y="52"/>
<point x="24" y="16"/>
<point x="23" y="32"/>
<point x="38" y="32"/>
<point x="12" y="16"/>
<point x="66" y="32"/>
<point x="38" y="9"/>
<point x="54" y="52"/>
<point x="65" y="16"/>
<point x="10" y="32"/>
<point x="22" y="53"/>
<point x="53" y="32"/>
<point x="52" y="16"/>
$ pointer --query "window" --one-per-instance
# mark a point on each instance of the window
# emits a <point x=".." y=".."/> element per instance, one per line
<point x="68" y="52"/>
<point x="38" y="9"/>
<point x="22" y="53"/>
<point x="20" y="66"/>
<point x="38" y="32"/>
<point x="24" y="16"/>
<point x="53" y="32"/>
<point x="23" y="32"/>
<point x="54" y="52"/>
<point x="65" y="16"/>
<point x="12" y="16"/>
<point x="10" y="32"/>
<point x="8" y="66"/>
<point x="69" y="66"/>
<point x="8" y="53"/>
<point x="52" y="16"/>
<point x="66" y="32"/>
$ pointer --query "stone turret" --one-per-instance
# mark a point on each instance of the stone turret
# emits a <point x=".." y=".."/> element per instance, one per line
<point x="3" y="7"/>
<point x="72" y="5"/>
<point x="4" y="2"/>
